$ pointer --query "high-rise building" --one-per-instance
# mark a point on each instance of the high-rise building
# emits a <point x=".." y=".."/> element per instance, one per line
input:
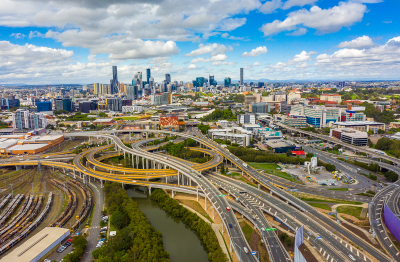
<point x="23" y="119"/>
<point x="151" y="82"/>
<point x="43" y="106"/>
<point x="132" y="92"/>
<point x="227" y="81"/>
<point x="114" y="82"/>
<point x="63" y="104"/>
<point x="148" y="75"/>
<point x="86" y="106"/>
<point x="241" y="76"/>
<point x="122" y="88"/>
<point x="168" y="78"/>
<point x="114" y="104"/>
<point x="212" y="81"/>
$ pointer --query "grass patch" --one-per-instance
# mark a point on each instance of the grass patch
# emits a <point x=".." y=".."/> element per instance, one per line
<point x="338" y="189"/>
<point x="271" y="168"/>
<point x="196" y="206"/>
<point x="247" y="230"/>
<point x="226" y="246"/>
<point x="247" y="182"/>
<point x="336" y="201"/>
<point x="112" y="228"/>
<point x="131" y="118"/>
<point x="91" y="215"/>
<point x="322" y="206"/>
<point x="350" y="210"/>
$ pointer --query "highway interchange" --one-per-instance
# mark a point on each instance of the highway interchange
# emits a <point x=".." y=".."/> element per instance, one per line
<point x="291" y="211"/>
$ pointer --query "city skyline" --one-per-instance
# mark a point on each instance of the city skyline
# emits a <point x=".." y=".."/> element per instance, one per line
<point x="44" y="42"/>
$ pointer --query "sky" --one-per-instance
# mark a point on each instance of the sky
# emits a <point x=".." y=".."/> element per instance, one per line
<point x="77" y="41"/>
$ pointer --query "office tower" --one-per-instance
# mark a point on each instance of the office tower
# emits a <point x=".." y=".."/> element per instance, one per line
<point x="241" y="76"/>
<point x="114" y="82"/>
<point x="44" y="106"/>
<point x="23" y="119"/>
<point x="62" y="91"/>
<point x="148" y="75"/>
<point x="151" y="82"/>
<point x="212" y="81"/>
<point x="167" y="78"/>
<point x="114" y="104"/>
<point x="227" y="81"/>
<point x="63" y="104"/>
<point x="86" y="106"/>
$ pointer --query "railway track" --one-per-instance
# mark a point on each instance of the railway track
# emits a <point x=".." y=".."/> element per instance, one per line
<point x="71" y="205"/>
<point x="87" y="204"/>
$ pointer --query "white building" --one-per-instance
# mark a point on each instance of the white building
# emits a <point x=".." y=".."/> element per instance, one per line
<point x="23" y="119"/>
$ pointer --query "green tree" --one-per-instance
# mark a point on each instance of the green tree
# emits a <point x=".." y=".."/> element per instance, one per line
<point x="289" y="153"/>
<point x="102" y="114"/>
<point x="222" y="168"/>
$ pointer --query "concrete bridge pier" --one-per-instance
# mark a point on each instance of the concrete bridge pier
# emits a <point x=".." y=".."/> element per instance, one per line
<point x="89" y="179"/>
<point x="142" y="162"/>
<point x="178" y="179"/>
<point x="259" y="186"/>
<point x="173" y="194"/>
<point x="149" y="190"/>
<point x="147" y="164"/>
<point x="137" y="162"/>
<point x="101" y="183"/>
<point x="18" y="168"/>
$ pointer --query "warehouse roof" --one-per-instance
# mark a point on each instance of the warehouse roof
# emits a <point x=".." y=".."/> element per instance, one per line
<point x="27" y="147"/>
<point x="358" y="123"/>
<point x="46" y="138"/>
<point x="103" y="120"/>
<point x="34" y="246"/>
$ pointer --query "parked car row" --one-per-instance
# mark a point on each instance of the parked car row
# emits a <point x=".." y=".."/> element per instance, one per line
<point x="63" y="247"/>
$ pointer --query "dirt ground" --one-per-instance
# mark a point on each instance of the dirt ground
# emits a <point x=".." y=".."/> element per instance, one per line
<point x="255" y="244"/>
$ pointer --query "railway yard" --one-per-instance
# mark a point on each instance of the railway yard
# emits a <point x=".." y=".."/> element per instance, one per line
<point x="34" y="198"/>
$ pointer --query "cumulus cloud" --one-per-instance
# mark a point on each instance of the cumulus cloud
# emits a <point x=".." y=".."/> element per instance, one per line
<point x="158" y="60"/>
<point x="303" y="56"/>
<point x="298" y="32"/>
<point x="91" y="58"/>
<point x="223" y="63"/>
<point x="256" y="52"/>
<point x="214" y="49"/>
<point x="219" y="57"/>
<point x="291" y="3"/>
<point x="192" y="66"/>
<point x="323" y="20"/>
<point x="256" y="64"/>
<point x="360" y="42"/>
<point x="227" y="36"/>
<point x="18" y="35"/>
<point x="270" y="6"/>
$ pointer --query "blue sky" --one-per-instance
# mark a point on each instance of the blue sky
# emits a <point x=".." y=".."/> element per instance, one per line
<point x="47" y="42"/>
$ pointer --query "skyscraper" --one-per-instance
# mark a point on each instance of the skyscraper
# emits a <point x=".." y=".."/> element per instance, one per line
<point x="168" y="78"/>
<point x="114" y="82"/>
<point x="227" y="81"/>
<point x="241" y="76"/>
<point x="212" y="81"/>
<point x="148" y="75"/>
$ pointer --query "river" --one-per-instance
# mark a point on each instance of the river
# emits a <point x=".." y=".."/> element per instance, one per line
<point x="179" y="240"/>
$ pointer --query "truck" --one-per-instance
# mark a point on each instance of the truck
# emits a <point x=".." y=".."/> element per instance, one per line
<point x="245" y="165"/>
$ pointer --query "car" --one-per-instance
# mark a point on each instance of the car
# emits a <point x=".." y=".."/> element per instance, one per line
<point x="47" y="156"/>
<point x="351" y="257"/>
<point x="228" y="209"/>
<point x="68" y="243"/>
<point x="309" y="233"/>
<point x="230" y="225"/>
<point x="245" y="250"/>
<point x="47" y="260"/>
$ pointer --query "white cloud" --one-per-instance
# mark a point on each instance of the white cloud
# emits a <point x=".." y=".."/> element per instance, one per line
<point x="219" y="57"/>
<point x="290" y="3"/>
<point x="256" y="64"/>
<point x="256" y="52"/>
<point x="192" y="66"/>
<point x="91" y="58"/>
<point x="35" y="34"/>
<point x="223" y="63"/>
<point x="214" y="49"/>
<point x="227" y="36"/>
<point x="387" y="22"/>
<point x="298" y="32"/>
<point x="18" y="35"/>
<point x="360" y="42"/>
<point x="323" y="20"/>
<point x="158" y="60"/>
<point x="270" y="6"/>
<point x="303" y="56"/>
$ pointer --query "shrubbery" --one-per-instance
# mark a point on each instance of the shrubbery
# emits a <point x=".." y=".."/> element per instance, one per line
<point x="138" y="240"/>
<point x="79" y="243"/>
<point x="202" y="229"/>
<point x="251" y="155"/>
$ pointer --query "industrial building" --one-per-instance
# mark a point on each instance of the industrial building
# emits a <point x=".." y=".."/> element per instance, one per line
<point x="361" y="125"/>
<point x="279" y="146"/>
<point x="38" y="246"/>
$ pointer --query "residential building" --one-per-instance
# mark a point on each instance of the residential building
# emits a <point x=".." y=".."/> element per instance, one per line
<point x="246" y="119"/>
<point x="331" y="97"/>
<point x="248" y="100"/>
<point x="114" y="84"/>
<point x="241" y="76"/>
<point x="114" y="104"/>
<point x="23" y="119"/>
<point x="132" y="92"/>
<point x="161" y="99"/>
